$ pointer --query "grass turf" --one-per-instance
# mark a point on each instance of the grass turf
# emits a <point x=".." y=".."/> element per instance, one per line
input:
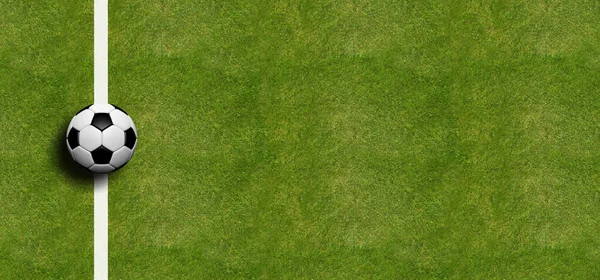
<point x="46" y="68"/>
<point x="357" y="139"/>
<point x="325" y="140"/>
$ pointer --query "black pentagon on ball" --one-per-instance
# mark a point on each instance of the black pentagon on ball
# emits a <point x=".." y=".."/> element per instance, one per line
<point x="102" y="155"/>
<point x="130" y="138"/>
<point x="102" y="121"/>
<point x="73" y="138"/>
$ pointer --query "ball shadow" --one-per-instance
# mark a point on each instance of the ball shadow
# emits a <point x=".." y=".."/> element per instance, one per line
<point x="66" y="165"/>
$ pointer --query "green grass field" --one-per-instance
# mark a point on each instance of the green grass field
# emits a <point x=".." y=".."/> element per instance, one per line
<point x="310" y="140"/>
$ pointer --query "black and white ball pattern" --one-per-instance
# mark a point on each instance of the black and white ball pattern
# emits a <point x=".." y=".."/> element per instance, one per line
<point x="102" y="138"/>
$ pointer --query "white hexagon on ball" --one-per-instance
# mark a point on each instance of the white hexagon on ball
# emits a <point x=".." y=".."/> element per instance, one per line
<point x="82" y="119"/>
<point x="83" y="157"/>
<point x="90" y="138"/>
<point x="102" y="168"/>
<point x="102" y="108"/>
<point x="120" y="157"/>
<point x="113" y="138"/>
<point x="120" y="119"/>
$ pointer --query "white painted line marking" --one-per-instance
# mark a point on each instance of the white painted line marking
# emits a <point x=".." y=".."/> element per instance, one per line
<point x="101" y="226"/>
<point x="101" y="180"/>
<point x="100" y="51"/>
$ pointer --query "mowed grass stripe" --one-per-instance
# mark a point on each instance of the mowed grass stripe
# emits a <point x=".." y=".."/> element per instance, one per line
<point x="45" y="77"/>
<point x="354" y="139"/>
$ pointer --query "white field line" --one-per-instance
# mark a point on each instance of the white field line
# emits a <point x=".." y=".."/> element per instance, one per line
<point x="101" y="181"/>
<point x="101" y="51"/>
<point x="101" y="226"/>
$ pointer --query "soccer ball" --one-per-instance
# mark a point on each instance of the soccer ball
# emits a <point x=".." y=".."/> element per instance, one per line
<point x="102" y="138"/>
